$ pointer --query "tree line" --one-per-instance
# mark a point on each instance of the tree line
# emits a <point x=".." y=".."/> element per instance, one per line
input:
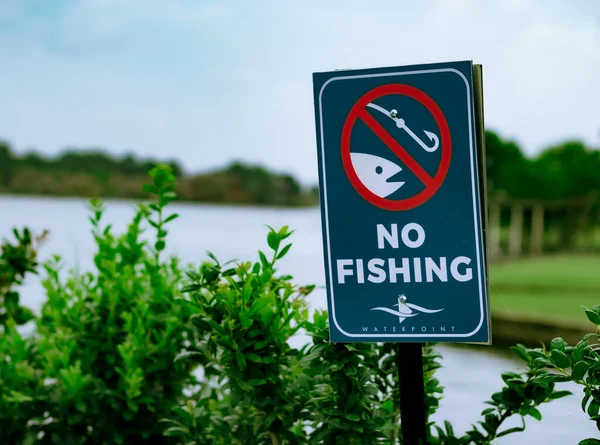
<point x="563" y="171"/>
<point x="98" y="174"/>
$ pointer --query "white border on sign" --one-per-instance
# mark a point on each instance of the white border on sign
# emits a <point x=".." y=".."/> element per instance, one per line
<point x="473" y="173"/>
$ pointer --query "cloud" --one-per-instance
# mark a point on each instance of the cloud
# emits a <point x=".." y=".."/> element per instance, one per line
<point x="211" y="81"/>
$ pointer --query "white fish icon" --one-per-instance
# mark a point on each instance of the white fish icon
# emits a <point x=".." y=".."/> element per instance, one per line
<point x="374" y="172"/>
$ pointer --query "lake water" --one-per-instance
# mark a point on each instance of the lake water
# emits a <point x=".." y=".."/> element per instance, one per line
<point x="469" y="376"/>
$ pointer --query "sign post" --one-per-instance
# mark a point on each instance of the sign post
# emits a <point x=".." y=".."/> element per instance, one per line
<point x="403" y="212"/>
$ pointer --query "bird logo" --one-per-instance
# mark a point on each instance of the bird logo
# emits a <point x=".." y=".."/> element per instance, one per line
<point x="406" y="310"/>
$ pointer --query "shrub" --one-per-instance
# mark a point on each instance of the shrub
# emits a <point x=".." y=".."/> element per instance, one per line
<point x="16" y="260"/>
<point x="117" y="350"/>
<point x="580" y="364"/>
<point x="21" y="383"/>
<point x="260" y="390"/>
<point x="107" y="339"/>
<point x="245" y="316"/>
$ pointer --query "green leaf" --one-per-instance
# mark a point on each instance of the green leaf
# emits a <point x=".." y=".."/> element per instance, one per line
<point x="265" y="277"/>
<point x="352" y="417"/>
<point x="263" y="259"/>
<point x="273" y="240"/>
<point x="579" y="370"/>
<point x="256" y="382"/>
<point x="584" y="402"/>
<point x="448" y="427"/>
<point x="506" y="376"/>
<point x="253" y="357"/>
<point x="517" y="429"/>
<point x="193" y="275"/>
<point x="150" y="188"/>
<point x="542" y="362"/>
<point x="388" y="406"/>
<point x="558" y="343"/>
<point x="171" y="217"/>
<point x="17" y="397"/>
<point x="332" y="411"/>
<point x="212" y="257"/>
<point x="595" y="394"/>
<point x="201" y="322"/>
<point x="160" y="245"/>
<point x="511" y="396"/>
<point x="521" y="352"/>
<point x="186" y="355"/>
<point x="176" y="431"/>
<point x="579" y="351"/>
<point x="284" y="251"/>
<point x="171" y="422"/>
<point x="592" y="316"/>
<point x="560" y="359"/>
<point x="476" y="436"/>
<point x="593" y="408"/>
<point x="559" y="394"/>
<point x="245" y="321"/>
<point x="535" y="413"/>
<point x="241" y="360"/>
<point x="589" y="442"/>
<point x="190" y="288"/>
<point x="545" y="379"/>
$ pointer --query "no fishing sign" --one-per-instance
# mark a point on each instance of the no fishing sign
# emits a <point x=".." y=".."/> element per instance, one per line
<point x="402" y="203"/>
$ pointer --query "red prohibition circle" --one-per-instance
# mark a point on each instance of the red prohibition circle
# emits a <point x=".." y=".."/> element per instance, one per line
<point x="432" y="184"/>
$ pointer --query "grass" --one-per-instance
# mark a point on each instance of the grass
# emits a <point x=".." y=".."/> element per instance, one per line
<point x="552" y="287"/>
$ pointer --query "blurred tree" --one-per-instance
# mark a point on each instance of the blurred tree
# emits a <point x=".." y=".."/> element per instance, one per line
<point x="507" y="168"/>
<point x="255" y="180"/>
<point x="566" y="171"/>
<point x="6" y="164"/>
<point x="33" y="159"/>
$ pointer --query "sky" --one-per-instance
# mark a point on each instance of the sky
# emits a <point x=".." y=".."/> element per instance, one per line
<point x="207" y="82"/>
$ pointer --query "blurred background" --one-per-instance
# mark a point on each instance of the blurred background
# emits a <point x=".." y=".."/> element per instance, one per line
<point x="96" y="92"/>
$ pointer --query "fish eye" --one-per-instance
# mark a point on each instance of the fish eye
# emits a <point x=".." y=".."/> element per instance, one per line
<point x="379" y="169"/>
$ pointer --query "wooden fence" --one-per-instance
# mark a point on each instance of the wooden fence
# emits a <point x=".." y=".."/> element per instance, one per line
<point x="519" y="228"/>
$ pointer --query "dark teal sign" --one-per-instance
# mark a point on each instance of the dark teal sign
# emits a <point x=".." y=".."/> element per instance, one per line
<point x="400" y="204"/>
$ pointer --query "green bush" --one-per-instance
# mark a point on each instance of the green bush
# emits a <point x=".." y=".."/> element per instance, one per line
<point x="245" y="316"/>
<point x="104" y="348"/>
<point x="116" y="353"/>
<point x="260" y="390"/>
<point x="580" y="364"/>
<point x="16" y="260"/>
<point x="21" y="384"/>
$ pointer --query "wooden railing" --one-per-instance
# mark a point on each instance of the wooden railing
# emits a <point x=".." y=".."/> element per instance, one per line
<point x="518" y="228"/>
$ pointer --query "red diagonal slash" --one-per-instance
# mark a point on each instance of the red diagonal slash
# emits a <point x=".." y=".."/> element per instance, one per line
<point x="393" y="145"/>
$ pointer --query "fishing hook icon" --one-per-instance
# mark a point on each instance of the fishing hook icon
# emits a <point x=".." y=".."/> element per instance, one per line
<point x="400" y="123"/>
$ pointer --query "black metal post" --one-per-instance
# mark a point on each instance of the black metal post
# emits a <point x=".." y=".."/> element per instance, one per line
<point x="409" y="359"/>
